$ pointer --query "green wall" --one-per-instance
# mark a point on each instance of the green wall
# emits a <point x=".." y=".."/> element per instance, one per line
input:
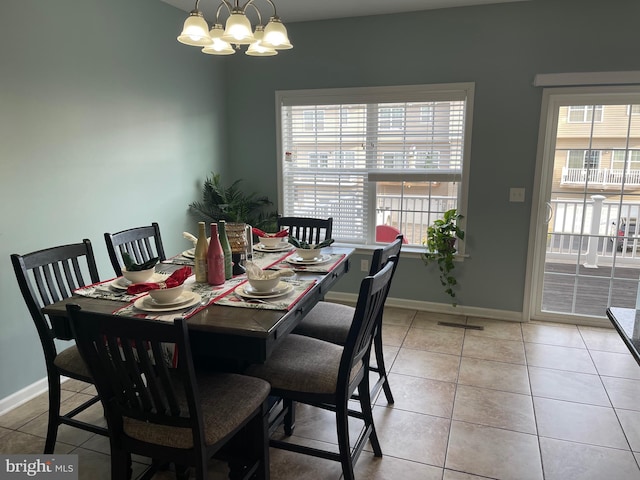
<point x="500" y="48"/>
<point x="106" y="123"/>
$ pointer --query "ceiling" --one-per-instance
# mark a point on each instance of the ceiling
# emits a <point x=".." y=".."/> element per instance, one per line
<point x="303" y="10"/>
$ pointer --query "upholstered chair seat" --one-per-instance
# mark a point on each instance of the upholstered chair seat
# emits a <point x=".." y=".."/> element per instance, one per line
<point x="225" y="404"/>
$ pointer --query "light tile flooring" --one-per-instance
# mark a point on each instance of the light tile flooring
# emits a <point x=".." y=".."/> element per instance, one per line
<point x="531" y="401"/>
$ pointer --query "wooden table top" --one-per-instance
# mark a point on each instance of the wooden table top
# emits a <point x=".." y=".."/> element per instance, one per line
<point x="244" y="334"/>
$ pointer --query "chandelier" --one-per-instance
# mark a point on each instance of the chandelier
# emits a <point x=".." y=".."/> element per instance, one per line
<point x="264" y="41"/>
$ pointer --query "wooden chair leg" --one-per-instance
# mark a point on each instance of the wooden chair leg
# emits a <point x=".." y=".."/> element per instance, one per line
<point x="54" y="413"/>
<point x="120" y="464"/>
<point x="382" y="369"/>
<point x="342" y="425"/>
<point x="182" y="472"/>
<point x="289" y="416"/>
<point x="367" y="414"/>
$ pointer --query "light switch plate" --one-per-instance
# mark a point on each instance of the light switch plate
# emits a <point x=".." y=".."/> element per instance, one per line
<point x="516" y="194"/>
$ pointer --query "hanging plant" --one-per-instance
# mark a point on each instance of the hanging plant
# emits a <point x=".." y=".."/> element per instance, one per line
<point x="440" y="244"/>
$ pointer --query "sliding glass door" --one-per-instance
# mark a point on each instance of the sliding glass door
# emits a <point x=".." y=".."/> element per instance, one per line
<point x="587" y="240"/>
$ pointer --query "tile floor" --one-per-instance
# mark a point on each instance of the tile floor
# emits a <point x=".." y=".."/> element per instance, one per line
<point x="533" y="401"/>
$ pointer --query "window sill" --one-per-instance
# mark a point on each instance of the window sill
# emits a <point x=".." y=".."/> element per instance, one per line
<point x="407" y="250"/>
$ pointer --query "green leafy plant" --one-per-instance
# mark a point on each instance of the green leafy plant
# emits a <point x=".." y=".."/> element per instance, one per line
<point x="308" y="246"/>
<point x="441" y="248"/>
<point x="131" y="265"/>
<point x="233" y="205"/>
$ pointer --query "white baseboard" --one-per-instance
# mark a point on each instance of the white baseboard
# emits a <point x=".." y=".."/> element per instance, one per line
<point x="23" y="396"/>
<point x="351" y="299"/>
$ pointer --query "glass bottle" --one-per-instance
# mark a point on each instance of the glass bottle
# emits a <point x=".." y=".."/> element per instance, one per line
<point x="200" y="255"/>
<point x="226" y="249"/>
<point x="215" y="258"/>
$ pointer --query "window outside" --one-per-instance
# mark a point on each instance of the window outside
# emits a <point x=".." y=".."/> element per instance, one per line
<point x="386" y="158"/>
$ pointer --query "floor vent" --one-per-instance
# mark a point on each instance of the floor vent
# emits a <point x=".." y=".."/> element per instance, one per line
<point x="459" y="325"/>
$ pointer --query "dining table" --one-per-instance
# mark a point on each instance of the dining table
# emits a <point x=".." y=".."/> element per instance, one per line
<point x="626" y="321"/>
<point x="226" y="324"/>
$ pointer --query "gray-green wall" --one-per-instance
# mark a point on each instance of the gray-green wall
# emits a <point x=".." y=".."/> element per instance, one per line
<point x="106" y="123"/>
<point x="500" y="48"/>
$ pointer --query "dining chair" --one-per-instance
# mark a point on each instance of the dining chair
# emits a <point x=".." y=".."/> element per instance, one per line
<point x="331" y="321"/>
<point x="170" y="414"/>
<point x="310" y="230"/>
<point x="141" y="243"/>
<point x="45" y="277"/>
<point x="325" y="375"/>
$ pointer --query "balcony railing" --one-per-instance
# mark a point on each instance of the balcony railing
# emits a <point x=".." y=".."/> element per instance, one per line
<point x="595" y="230"/>
<point x="612" y="176"/>
<point x="411" y="215"/>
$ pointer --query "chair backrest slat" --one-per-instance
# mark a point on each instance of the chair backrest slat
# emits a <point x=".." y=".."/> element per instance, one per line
<point x="310" y="230"/>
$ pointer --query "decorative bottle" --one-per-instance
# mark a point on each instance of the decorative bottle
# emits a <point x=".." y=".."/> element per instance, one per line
<point x="200" y="254"/>
<point x="226" y="249"/>
<point x="215" y="258"/>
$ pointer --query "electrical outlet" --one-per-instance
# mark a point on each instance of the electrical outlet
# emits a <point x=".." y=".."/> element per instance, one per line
<point x="364" y="265"/>
<point x="516" y="195"/>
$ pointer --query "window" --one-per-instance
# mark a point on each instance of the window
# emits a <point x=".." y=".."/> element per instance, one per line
<point x="618" y="157"/>
<point x="633" y="109"/>
<point x="584" y="159"/>
<point x="426" y="159"/>
<point x="313" y="120"/>
<point x="318" y="160"/>
<point x="427" y="113"/>
<point x="392" y="160"/>
<point x="345" y="159"/>
<point x="391" y="118"/>
<point x="585" y="113"/>
<point x="398" y="157"/>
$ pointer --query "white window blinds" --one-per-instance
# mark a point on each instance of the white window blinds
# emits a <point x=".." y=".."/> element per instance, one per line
<point x="366" y="135"/>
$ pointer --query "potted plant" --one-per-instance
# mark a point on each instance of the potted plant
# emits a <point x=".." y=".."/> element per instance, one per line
<point x="441" y="248"/>
<point x="233" y="205"/>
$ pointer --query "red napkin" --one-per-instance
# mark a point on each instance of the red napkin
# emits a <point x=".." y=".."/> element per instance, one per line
<point x="176" y="278"/>
<point x="260" y="233"/>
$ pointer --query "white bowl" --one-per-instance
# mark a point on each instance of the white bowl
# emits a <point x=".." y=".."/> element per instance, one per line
<point x="272" y="241"/>
<point x="166" y="295"/>
<point x="308" y="253"/>
<point x="138" y="276"/>
<point x="264" y="284"/>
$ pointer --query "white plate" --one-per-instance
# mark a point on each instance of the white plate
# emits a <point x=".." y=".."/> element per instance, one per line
<point x="122" y="283"/>
<point x="147" y="304"/>
<point x="191" y="253"/>
<point x="283" y="247"/>
<point x="186" y="297"/>
<point x="280" y="290"/>
<point x="314" y="261"/>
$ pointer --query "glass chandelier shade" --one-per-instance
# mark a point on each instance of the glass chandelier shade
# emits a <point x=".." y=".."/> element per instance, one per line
<point x="218" y="46"/>
<point x="257" y="48"/>
<point x="195" y="31"/>
<point x="238" y="29"/>
<point x="275" y="35"/>
<point x="264" y="41"/>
